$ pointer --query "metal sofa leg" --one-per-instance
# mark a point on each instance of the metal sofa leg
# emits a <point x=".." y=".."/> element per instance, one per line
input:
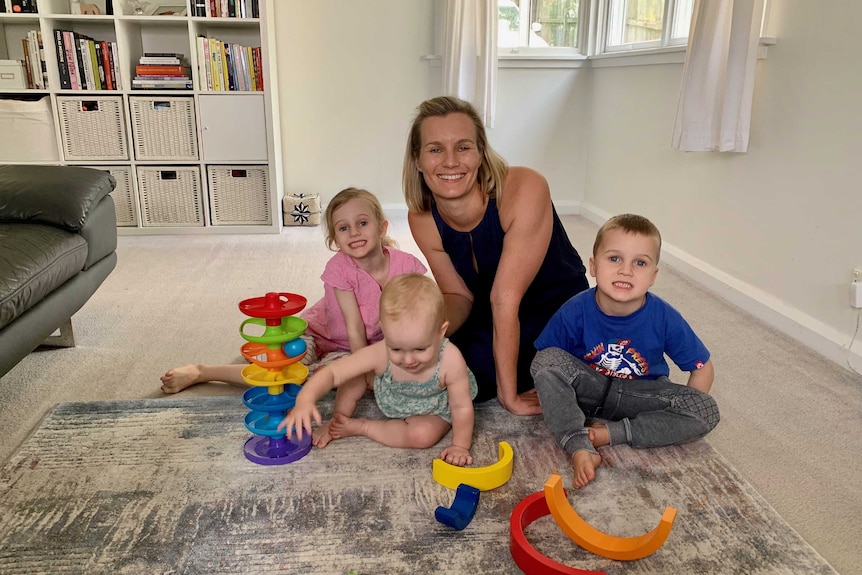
<point x="66" y="337"/>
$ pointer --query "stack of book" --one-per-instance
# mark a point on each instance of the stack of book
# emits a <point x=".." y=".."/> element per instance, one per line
<point x="226" y="8"/>
<point x="85" y="63"/>
<point x="160" y="71"/>
<point x="34" y="61"/>
<point x="224" y="66"/>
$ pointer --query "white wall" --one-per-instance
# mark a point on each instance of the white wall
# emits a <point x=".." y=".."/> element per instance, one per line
<point x="780" y="225"/>
<point x="350" y="77"/>
<point x="777" y="230"/>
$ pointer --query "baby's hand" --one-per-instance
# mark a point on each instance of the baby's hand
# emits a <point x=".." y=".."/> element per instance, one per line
<point x="456" y="455"/>
<point x="300" y="418"/>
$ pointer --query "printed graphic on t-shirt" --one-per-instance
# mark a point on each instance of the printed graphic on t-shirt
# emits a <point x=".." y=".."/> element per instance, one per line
<point x="618" y="360"/>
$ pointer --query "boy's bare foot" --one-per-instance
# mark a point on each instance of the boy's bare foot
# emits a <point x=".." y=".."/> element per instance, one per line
<point x="584" y="465"/>
<point x="179" y="378"/>
<point x="599" y="434"/>
<point x="322" y="435"/>
<point x="343" y="426"/>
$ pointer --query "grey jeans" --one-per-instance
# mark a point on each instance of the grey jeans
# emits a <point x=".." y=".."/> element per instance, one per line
<point x="638" y="412"/>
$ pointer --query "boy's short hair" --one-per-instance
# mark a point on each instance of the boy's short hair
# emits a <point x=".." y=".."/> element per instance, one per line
<point x="413" y="296"/>
<point x="630" y="224"/>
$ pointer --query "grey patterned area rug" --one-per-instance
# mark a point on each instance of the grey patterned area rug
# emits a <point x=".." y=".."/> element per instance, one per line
<point x="162" y="486"/>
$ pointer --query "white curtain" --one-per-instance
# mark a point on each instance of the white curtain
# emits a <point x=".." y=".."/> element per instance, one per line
<point x="470" y="54"/>
<point x="714" y="110"/>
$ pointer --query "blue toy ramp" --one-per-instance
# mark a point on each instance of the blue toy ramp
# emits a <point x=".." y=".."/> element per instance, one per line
<point x="463" y="508"/>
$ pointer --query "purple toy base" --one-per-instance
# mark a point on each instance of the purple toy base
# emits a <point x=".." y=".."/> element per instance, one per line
<point x="264" y="450"/>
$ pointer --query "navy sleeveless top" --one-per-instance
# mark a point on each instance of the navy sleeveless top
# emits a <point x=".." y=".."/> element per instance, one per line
<point x="561" y="276"/>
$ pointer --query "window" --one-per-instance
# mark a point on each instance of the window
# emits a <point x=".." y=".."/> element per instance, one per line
<point x="546" y="25"/>
<point x="641" y="24"/>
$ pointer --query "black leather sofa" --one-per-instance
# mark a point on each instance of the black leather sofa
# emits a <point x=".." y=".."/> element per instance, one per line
<point x="58" y="240"/>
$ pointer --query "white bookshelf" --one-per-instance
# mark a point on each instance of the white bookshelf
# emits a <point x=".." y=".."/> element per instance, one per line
<point x="186" y="161"/>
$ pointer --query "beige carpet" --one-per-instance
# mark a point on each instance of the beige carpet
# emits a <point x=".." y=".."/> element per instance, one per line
<point x="791" y="422"/>
<point x="162" y="486"/>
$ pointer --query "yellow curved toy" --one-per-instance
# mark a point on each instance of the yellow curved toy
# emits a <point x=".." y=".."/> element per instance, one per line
<point x="482" y="478"/>
<point x="593" y="540"/>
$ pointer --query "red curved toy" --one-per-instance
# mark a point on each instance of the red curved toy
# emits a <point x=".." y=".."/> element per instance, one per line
<point x="273" y="305"/>
<point x="526" y="557"/>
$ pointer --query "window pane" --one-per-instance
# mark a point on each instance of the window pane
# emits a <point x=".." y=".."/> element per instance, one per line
<point x="635" y="21"/>
<point x="555" y="22"/>
<point x="681" y="19"/>
<point x="551" y="23"/>
<point x="509" y="24"/>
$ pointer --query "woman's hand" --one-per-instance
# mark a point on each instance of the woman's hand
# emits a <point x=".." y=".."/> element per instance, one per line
<point x="457" y="455"/>
<point x="526" y="403"/>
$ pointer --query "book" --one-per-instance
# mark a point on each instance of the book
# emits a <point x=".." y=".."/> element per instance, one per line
<point x="115" y="67"/>
<point x="106" y="65"/>
<point x="162" y="70"/>
<point x="72" y="59"/>
<point x="88" y="82"/>
<point x="62" y="63"/>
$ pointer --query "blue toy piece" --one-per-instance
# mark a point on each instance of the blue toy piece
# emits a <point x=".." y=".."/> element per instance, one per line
<point x="294" y="347"/>
<point x="463" y="508"/>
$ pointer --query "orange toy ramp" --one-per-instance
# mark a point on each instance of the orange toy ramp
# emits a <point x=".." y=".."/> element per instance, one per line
<point x="595" y="541"/>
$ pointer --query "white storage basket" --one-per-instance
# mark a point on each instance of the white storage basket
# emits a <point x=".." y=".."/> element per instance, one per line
<point x="123" y="194"/>
<point x="170" y="196"/>
<point x="163" y="128"/>
<point x="93" y="128"/>
<point x="239" y="195"/>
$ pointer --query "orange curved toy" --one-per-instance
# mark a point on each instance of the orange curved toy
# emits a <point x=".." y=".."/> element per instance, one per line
<point x="593" y="540"/>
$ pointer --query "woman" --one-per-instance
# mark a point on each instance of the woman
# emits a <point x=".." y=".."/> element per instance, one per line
<point x="494" y="243"/>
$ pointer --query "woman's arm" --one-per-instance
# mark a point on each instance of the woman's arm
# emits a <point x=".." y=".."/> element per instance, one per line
<point x="701" y="379"/>
<point x="526" y="217"/>
<point x="352" y="319"/>
<point x="458" y="299"/>
<point x="457" y="384"/>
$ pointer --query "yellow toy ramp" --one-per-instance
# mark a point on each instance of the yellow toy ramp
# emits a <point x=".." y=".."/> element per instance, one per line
<point x="595" y="541"/>
<point x="482" y="478"/>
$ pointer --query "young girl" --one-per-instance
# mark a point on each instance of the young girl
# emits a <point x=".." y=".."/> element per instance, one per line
<point x="346" y="318"/>
<point x="421" y="381"/>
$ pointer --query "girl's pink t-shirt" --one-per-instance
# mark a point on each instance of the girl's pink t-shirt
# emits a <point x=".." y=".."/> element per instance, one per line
<point x="325" y="320"/>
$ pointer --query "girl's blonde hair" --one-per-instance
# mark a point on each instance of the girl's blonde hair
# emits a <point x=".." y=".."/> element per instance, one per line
<point x="492" y="171"/>
<point x="342" y="198"/>
<point x="412" y="296"/>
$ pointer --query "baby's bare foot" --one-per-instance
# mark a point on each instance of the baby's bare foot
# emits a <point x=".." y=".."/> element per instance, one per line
<point x="179" y="378"/>
<point x="343" y="426"/>
<point x="584" y="465"/>
<point x="322" y="435"/>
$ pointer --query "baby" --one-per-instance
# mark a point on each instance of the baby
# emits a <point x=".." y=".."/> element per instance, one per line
<point x="421" y="381"/>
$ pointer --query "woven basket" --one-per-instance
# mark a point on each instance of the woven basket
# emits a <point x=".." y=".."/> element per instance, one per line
<point x="93" y="128"/>
<point x="170" y="196"/>
<point x="239" y="195"/>
<point x="163" y="128"/>
<point x="123" y="195"/>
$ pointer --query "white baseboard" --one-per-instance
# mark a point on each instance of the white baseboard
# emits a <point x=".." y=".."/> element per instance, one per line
<point x="805" y="329"/>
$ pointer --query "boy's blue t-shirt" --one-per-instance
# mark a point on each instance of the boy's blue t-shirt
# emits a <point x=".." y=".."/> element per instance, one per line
<point x="628" y="347"/>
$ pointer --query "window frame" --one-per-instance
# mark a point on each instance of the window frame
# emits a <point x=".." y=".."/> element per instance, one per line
<point x="550" y="52"/>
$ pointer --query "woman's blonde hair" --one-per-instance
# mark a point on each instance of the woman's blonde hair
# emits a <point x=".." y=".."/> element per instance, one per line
<point x="492" y="171"/>
<point x="342" y="198"/>
<point x="412" y="296"/>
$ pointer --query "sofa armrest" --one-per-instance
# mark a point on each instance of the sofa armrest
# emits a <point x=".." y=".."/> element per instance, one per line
<point x="61" y="196"/>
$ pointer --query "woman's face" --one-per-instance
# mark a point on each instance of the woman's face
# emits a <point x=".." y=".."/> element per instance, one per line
<point x="449" y="158"/>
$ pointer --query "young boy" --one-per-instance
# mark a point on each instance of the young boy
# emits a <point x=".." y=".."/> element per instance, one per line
<point x="601" y="357"/>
